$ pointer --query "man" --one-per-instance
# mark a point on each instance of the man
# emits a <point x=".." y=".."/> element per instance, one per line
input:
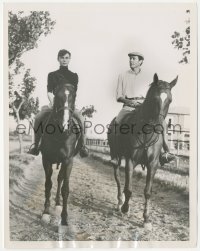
<point x="62" y="76"/>
<point x="131" y="90"/>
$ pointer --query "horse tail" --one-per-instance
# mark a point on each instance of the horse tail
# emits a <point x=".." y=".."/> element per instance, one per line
<point x="111" y="136"/>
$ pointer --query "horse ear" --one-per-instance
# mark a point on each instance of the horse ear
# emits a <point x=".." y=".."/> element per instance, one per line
<point x="172" y="84"/>
<point x="155" y="78"/>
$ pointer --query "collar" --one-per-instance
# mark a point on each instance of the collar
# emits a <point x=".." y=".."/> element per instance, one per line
<point x="132" y="72"/>
<point x="63" y="68"/>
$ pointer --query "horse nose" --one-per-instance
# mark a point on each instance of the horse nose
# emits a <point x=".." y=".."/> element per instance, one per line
<point x="66" y="95"/>
<point x="66" y="120"/>
<point x="66" y="92"/>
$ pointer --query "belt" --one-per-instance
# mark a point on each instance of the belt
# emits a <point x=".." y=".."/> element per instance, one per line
<point x="135" y="98"/>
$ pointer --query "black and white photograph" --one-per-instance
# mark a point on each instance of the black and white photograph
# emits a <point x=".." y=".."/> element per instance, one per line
<point x="101" y="125"/>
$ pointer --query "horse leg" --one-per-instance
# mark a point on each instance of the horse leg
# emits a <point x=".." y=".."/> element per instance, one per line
<point x="48" y="185"/>
<point x="59" y="180"/>
<point x="151" y="170"/>
<point x="130" y="165"/>
<point x="119" y="192"/>
<point x="67" y="166"/>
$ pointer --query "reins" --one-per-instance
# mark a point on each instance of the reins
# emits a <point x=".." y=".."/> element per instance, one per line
<point x="147" y="143"/>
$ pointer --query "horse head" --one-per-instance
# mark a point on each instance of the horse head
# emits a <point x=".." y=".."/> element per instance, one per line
<point x="64" y="104"/>
<point x="158" y="98"/>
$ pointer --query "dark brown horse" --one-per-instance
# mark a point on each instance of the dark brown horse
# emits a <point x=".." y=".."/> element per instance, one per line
<point x="59" y="145"/>
<point x="141" y="142"/>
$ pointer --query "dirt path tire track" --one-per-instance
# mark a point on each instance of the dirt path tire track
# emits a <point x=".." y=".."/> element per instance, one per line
<point x="92" y="202"/>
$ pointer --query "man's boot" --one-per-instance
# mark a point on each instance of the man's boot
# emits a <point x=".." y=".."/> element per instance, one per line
<point x="84" y="151"/>
<point x="166" y="156"/>
<point x="34" y="148"/>
<point x="34" y="151"/>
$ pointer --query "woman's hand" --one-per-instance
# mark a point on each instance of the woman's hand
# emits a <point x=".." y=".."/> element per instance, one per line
<point x="51" y="98"/>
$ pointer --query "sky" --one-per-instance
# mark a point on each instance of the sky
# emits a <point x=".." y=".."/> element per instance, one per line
<point x="100" y="36"/>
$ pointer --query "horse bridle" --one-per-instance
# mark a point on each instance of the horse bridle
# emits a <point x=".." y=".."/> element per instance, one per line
<point x="149" y="143"/>
<point x="160" y="114"/>
<point x="64" y="108"/>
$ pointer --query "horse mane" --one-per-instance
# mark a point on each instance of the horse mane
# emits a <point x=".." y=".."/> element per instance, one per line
<point x="148" y="110"/>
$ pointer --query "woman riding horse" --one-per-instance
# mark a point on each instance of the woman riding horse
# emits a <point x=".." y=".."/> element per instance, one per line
<point x="60" y="146"/>
<point x="60" y="77"/>
<point x="143" y="142"/>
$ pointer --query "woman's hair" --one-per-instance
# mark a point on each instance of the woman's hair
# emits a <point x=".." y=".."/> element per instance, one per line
<point x="63" y="52"/>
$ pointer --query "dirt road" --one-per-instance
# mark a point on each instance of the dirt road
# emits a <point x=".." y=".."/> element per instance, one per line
<point x="92" y="202"/>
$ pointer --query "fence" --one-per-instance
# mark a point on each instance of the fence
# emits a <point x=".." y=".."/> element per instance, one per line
<point x="177" y="143"/>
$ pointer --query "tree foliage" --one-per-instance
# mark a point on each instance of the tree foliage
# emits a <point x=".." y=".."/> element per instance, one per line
<point x="24" y="31"/>
<point x="87" y="111"/>
<point x="21" y="102"/>
<point x="20" y="93"/>
<point x="181" y="41"/>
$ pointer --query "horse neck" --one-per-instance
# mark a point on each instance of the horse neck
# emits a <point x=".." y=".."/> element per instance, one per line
<point x="149" y="111"/>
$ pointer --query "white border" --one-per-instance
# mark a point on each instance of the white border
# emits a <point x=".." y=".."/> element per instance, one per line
<point x="193" y="176"/>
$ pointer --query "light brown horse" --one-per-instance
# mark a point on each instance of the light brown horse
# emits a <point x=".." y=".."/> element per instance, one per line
<point x="59" y="145"/>
<point x="142" y="143"/>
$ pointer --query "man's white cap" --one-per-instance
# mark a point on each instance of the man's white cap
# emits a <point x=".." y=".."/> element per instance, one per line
<point x="136" y="54"/>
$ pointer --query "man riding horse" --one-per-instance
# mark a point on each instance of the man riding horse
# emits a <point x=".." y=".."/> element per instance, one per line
<point x="131" y="90"/>
<point x="55" y="79"/>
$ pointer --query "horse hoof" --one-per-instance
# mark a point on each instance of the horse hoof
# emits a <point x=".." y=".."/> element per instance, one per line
<point x="46" y="218"/>
<point x="127" y="213"/>
<point x="62" y="229"/>
<point x="57" y="211"/>
<point x="66" y="232"/>
<point x="120" y="203"/>
<point x="119" y="206"/>
<point x="148" y="226"/>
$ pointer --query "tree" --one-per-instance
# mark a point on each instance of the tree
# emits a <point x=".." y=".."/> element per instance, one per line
<point x="24" y="31"/>
<point x="181" y="41"/>
<point x="22" y="105"/>
<point x="87" y="111"/>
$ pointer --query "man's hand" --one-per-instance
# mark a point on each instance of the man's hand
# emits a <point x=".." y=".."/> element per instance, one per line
<point x="128" y="102"/>
<point x="132" y="103"/>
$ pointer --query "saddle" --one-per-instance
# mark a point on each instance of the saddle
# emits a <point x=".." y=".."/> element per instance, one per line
<point x="120" y="143"/>
<point x="75" y="123"/>
<point x="115" y="134"/>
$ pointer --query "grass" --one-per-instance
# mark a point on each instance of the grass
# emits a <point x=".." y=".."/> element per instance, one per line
<point x="183" y="168"/>
<point x="168" y="179"/>
<point x="16" y="167"/>
<point x="14" y="137"/>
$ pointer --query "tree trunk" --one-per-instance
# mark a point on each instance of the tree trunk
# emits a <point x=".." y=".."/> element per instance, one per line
<point x="20" y="137"/>
<point x="21" y="148"/>
<point x="31" y="131"/>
